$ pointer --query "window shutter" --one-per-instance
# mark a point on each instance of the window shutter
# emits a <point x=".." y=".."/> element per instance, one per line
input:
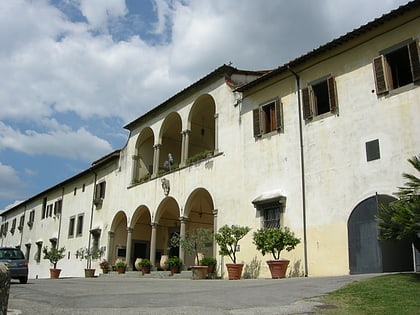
<point x="97" y="191"/>
<point x="414" y="59"/>
<point x="103" y="186"/>
<point x="380" y="78"/>
<point x="279" y="115"/>
<point x="257" y="124"/>
<point x="307" y="111"/>
<point x="332" y="94"/>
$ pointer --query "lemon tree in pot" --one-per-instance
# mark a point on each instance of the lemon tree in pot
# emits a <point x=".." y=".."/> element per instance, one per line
<point x="228" y="238"/>
<point x="54" y="255"/>
<point x="273" y="241"/>
<point x="89" y="254"/>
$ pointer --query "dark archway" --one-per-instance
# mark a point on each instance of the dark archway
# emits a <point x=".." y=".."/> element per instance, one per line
<point x="366" y="253"/>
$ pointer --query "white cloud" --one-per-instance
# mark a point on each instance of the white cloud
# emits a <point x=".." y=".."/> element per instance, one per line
<point x="10" y="183"/>
<point x="79" y="144"/>
<point x="99" y="12"/>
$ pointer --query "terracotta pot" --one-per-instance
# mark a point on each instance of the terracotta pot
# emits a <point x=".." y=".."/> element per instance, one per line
<point x="145" y="270"/>
<point x="199" y="272"/>
<point x="174" y="269"/>
<point x="89" y="273"/>
<point x="278" y="268"/>
<point x="121" y="270"/>
<point x="234" y="271"/>
<point x="210" y="268"/>
<point x="55" y="273"/>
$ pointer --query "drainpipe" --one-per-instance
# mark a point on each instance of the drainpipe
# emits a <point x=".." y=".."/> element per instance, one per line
<point x="89" y="262"/>
<point x="61" y="216"/>
<point x="302" y="162"/>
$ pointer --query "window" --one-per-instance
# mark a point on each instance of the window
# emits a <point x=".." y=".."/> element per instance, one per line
<point x="71" y="226"/>
<point x="100" y="190"/>
<point x="268" y="117"/>
<point x="83" y="187"/>
<point x="44" y="208"/>
<point x="372" y="150"/>
<point x="320" y="97"/>
<point x="12" y="230"/>
<point x="57" y="206"/>
<point x="21" y="223"/>
<point x="397" y="66"/>
<point x="49" y="210"/>
<point x="79" y="229"/>
<point x="271" y="208"/>
<point x="75" y="191"/>
<point x="38" y="251"/>
<point x="31" y="218"/>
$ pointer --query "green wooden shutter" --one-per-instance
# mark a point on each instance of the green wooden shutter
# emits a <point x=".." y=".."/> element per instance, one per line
<point x="332" y="94"/>
<point x="380" y="78"/>
<point x="307" y="111"/>
<point x="414" y="59"/>
<point x="257" y="124"/>
<point x="279" y="115"/>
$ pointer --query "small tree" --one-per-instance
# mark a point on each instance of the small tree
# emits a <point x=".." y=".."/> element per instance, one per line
<point x="400" y="219"/>
<point x="274" y="240"/>
<point x="228" y="238"/>
<point x="53" y="255"/>
<point x="193" y="243"/>
<point x="87" y="254"/>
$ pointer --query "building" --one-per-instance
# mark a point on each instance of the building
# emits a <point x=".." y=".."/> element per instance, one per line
<point x="316" y="144"/>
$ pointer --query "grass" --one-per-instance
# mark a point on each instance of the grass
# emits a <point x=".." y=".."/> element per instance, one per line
<point x="382" y="295"/>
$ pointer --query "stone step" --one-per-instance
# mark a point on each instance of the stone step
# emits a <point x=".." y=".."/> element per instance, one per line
<point x="152" y="274"/>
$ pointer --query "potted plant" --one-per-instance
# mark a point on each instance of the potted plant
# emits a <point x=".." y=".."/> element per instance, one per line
<point x="174" y="263"/>
<point x="120" y="265"/>
<point x="104" y="266"/>
<point x="228" y="238"/>
<point x="54" y="255"/>
<point x="87" y="254"/>
<point x="194" y="243"/>
<point x="274" y="240"/>
<point x="210" y="262"/>
<point x="145" y="265"/>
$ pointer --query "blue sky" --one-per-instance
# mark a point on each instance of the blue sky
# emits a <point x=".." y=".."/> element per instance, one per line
<point x="74" y="72"/>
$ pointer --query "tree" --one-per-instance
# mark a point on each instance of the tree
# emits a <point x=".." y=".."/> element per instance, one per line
<point x="228" y="237"/>
<point x="400" y="219"/>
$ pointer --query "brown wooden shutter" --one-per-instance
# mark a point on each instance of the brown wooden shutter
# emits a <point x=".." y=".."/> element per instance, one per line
<point x="279" y="115"/>
<point x="332" y="94"/>
<point x="307" y="111"/>
<point x="380" y="78"/>
<point x="257" y="124"/>
<point x="414" y="59"/>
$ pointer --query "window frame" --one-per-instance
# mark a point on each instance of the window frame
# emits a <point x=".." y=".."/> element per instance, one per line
<point x="79" y="224"/>
<point x="309" y="106"/>
<point x="72" y="225"/>
<point x="260" y="115"/>
<point x="384" y="80"/>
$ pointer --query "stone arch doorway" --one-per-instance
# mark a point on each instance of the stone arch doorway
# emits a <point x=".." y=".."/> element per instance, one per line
<point x="199" y="213"/>
<point x="366" y="253"/>
<point x="167" y="223"/>
<point x="118" y="238"/>
<point x="141" y="233"/>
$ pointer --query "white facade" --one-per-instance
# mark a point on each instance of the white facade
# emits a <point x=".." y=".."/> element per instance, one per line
<point x="322" y="170"/>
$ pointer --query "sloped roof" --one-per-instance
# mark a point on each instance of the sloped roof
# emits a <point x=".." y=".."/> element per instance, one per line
<point x="223" y="71"/>
<point x="333" y="44"/>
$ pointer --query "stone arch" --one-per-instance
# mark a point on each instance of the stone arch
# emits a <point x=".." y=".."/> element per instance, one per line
<point x="202" y="126"/>
<point x="118" y="237"/>
<point x="141" y="234"/>
<point x="144" y="154"/>
<point x="366" y="253"/>
<point x="198" y="212"/>
<point x="167" y="223"/>
<point x="170" y="139"/>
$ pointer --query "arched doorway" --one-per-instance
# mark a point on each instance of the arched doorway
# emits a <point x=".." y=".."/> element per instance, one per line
<point x="118" y="237"/>
<point x="142" y="230"/>
<point x="366" y="253"/>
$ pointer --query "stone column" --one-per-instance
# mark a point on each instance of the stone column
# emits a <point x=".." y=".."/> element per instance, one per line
<point x="182" y="162"/>
<point x="216" y="133"/>
<point x="128" y="248"/>
<point x="186" y="143"/>
<point x="153" y="244"/>
<point x="135" y="170"/>
<point x="110" y="255"/>
<point x="156" y="159"/>
<point x="4" y="288"/>
<point x="183" y="221"/>
<point x="215" y="211"/>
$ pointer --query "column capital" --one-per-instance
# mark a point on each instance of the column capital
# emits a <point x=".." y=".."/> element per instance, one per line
<point x="111" y="233"/>
<point x="216" y="115"/>
<point x="183" y="219"/>
<point x="130" y="229"/>
<point x="157" y="146"/>
<point x="154" y="225"/>
<point x="185" y="131"/>
<point x="215" y="211"/>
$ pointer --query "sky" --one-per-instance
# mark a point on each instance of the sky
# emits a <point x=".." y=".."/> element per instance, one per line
<point x="74" y="72"/>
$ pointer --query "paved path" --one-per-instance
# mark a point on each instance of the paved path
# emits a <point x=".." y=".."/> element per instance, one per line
<point x="136" y="295"/>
